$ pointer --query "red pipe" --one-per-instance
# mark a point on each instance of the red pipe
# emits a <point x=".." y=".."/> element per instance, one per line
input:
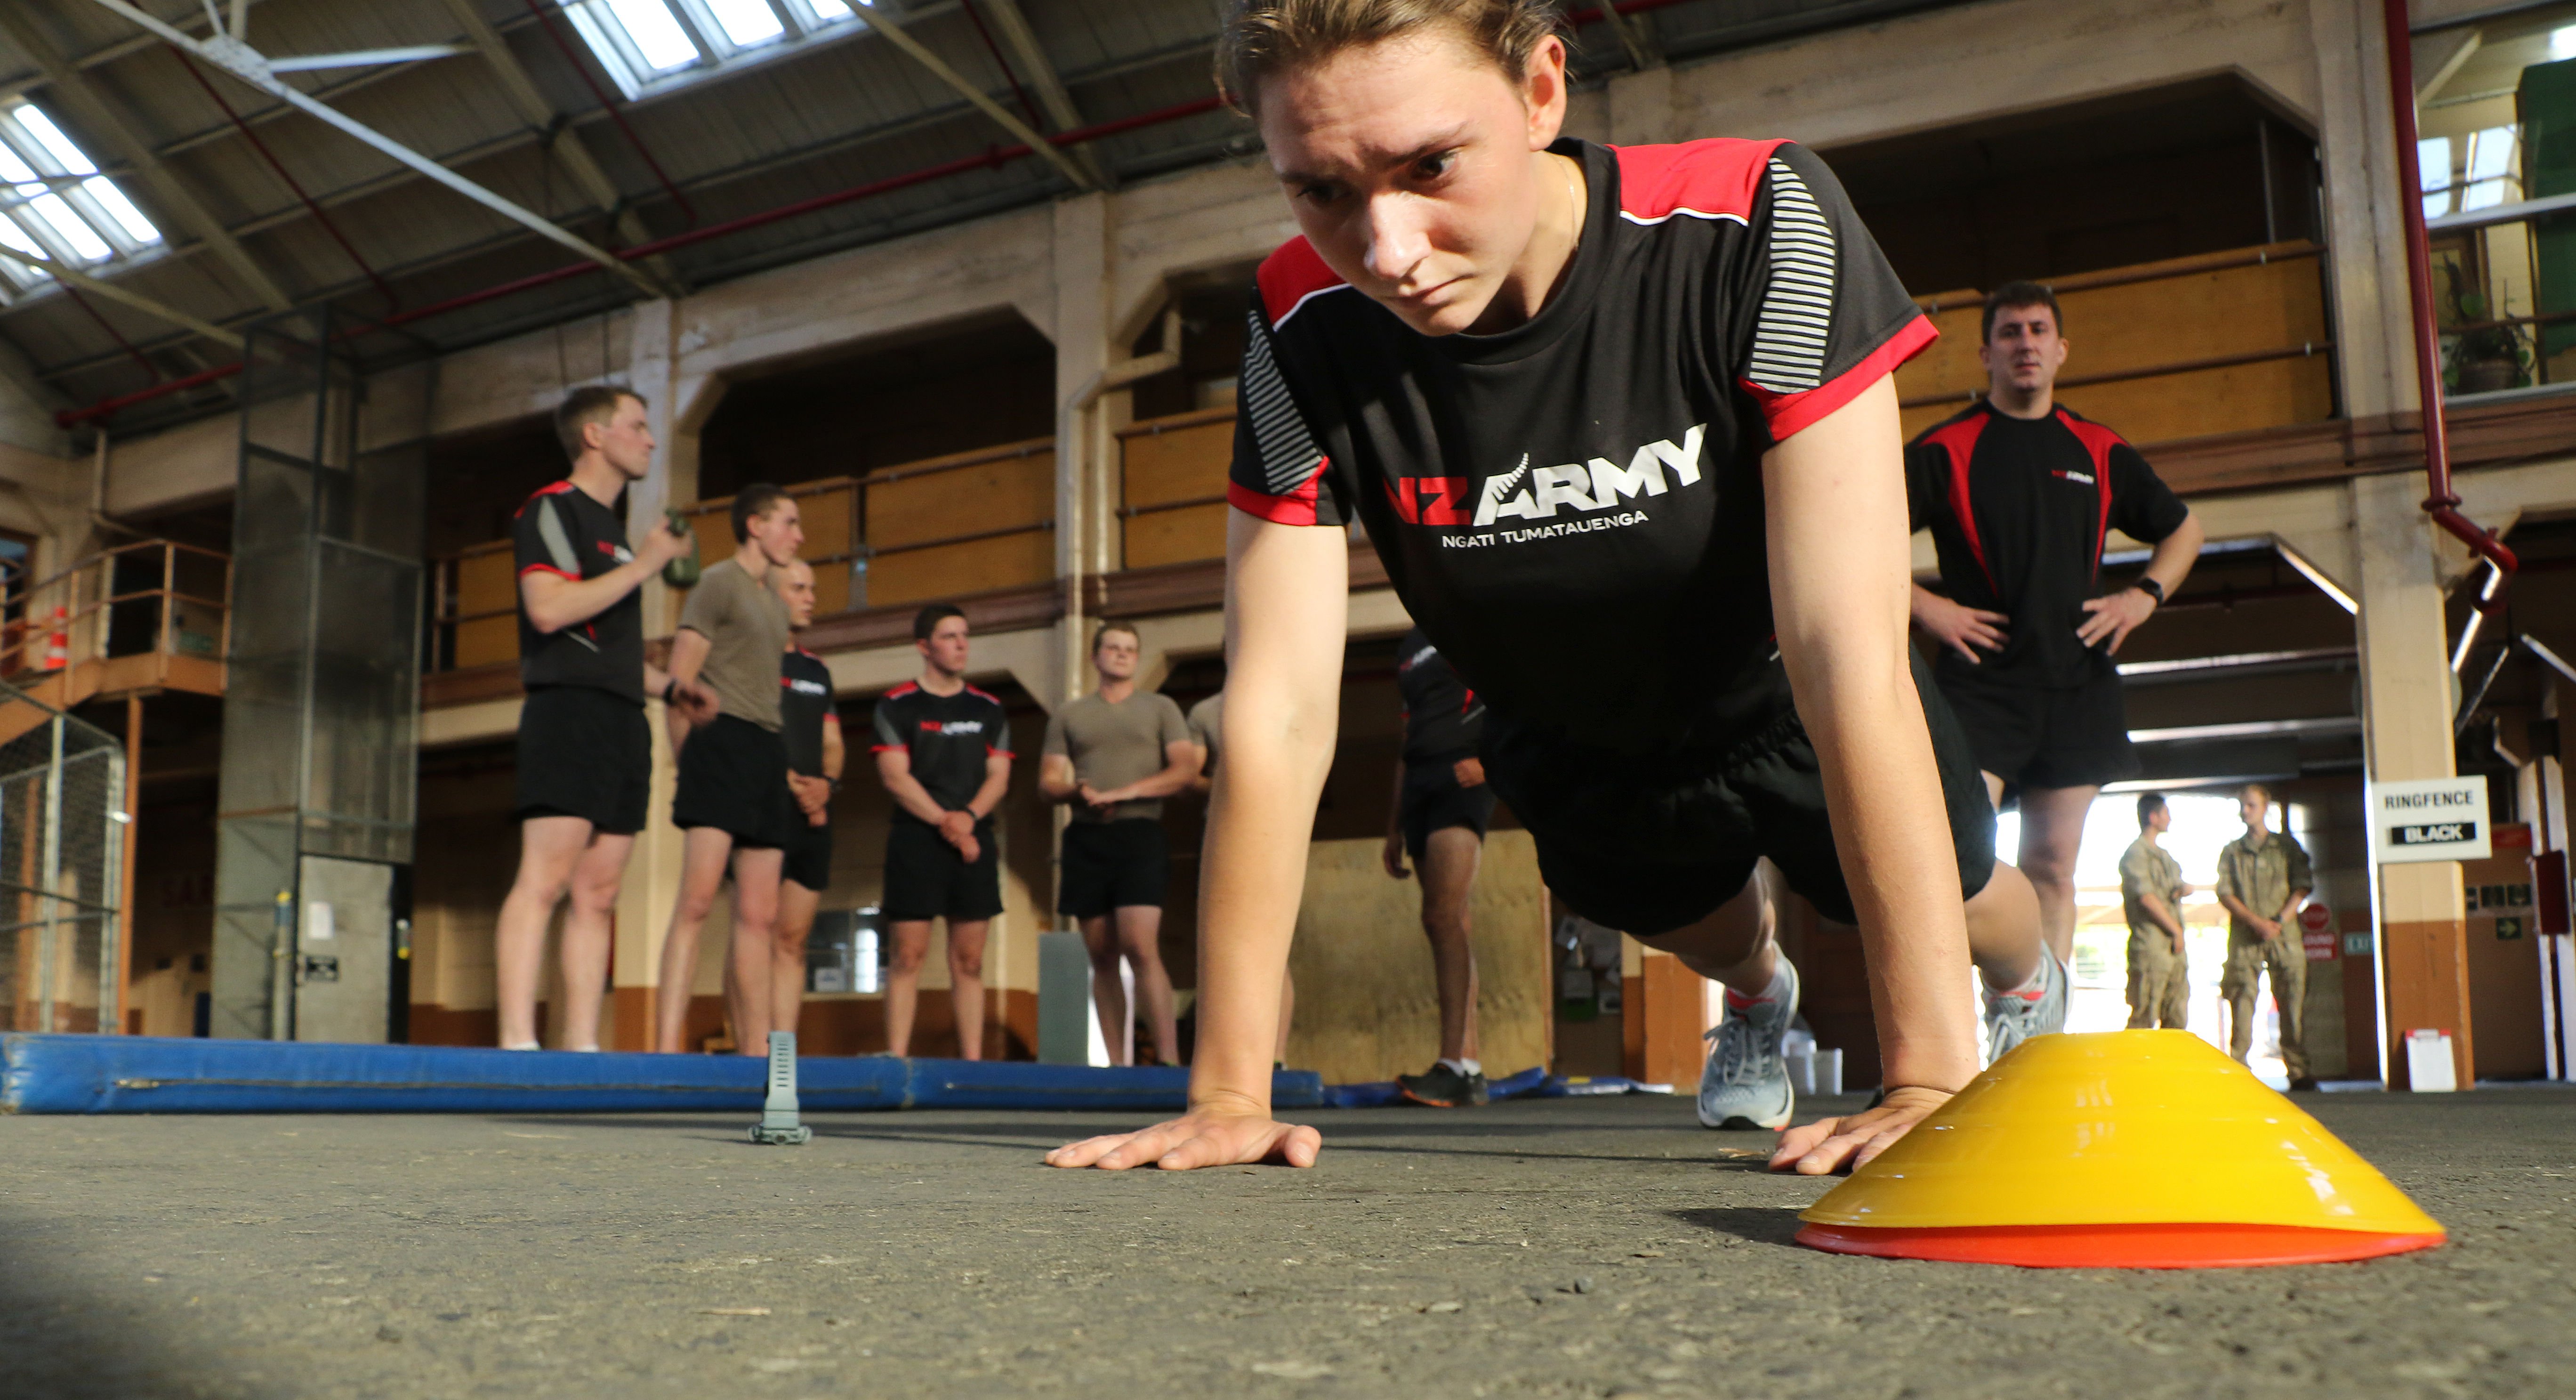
<point x="1036" y="122"/>
<point x="112" y="333"/>
<point x="315" y="209"/>
<point x="996" y="157"/>
<point x="1626" y="7"/>
<point x="546" y="22"/>
<point x="2442" y="503"/>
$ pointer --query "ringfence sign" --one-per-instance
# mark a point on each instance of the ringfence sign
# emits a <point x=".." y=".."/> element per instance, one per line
<point x="2430" y="819"/>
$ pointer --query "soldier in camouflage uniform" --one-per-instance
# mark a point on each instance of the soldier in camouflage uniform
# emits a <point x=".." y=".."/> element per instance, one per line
<point x="2263" y="877"/>
<point x="2152" y="889"/>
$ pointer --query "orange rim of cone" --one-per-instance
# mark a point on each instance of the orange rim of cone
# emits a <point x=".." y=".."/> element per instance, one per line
<point x="2155" y="1246"/>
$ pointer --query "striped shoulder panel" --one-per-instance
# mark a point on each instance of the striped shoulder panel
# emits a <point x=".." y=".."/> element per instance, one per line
<point x="1793" y="328"/>
<point x="1289" y="457"/>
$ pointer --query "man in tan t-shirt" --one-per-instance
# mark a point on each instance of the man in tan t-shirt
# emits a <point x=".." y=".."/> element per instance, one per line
<point x="1114" y="755"/>
<point x="2152" y="889"/>
<point x="733" y="800"/>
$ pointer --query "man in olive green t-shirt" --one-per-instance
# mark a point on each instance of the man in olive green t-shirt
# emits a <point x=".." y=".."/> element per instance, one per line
<point x="1114" y="755"/>
<point x="733" y="801"/>
<point x="2263" y="878"/>
<point x="2151" y="888"/>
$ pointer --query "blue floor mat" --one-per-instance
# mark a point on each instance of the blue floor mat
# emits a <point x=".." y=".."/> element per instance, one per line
<point x="150" y="1074"/>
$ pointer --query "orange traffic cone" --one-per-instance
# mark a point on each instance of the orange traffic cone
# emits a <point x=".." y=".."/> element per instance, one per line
<point x="2133" y="1149"/>
<point x="58" y="641"/>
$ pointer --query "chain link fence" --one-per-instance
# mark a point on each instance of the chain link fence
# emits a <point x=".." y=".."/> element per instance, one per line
<point x="62" y="856"/>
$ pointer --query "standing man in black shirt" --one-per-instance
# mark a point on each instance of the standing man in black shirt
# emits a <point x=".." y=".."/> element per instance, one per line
<point x="585" y="748"/>
<point x="1620" y="426"/>
<point x="940" y="751"/>
<point x="2019" y="493"/>
<point x="1438" y="817"/>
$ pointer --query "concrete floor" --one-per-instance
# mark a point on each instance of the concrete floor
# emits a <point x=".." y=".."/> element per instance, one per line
<point x="1576" y="1247"/>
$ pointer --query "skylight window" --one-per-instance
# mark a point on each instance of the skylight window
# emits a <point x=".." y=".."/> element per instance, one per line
<point x="746" y="22"/>
<point x="645" y="44"/>
<point x="55" y="203"/>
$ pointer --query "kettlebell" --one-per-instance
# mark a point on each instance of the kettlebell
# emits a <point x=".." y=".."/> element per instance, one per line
<point x="683" y="571"/>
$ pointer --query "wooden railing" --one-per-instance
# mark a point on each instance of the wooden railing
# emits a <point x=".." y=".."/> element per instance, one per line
<point x="1172" y="474"/>
<point x="157" y="609"/>
<point x="2191" y="347"/>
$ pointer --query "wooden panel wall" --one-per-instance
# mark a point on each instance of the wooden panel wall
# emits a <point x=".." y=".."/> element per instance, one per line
<point x="971" y="523"/>
<point x="1366" y="1007"/>
<point x="2149" y="336"/>
<point x="1173" y="485"/>
<point x="487" y="601"/>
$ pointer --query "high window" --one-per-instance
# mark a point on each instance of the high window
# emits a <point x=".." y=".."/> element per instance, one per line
<point x="55" y="203"/>
<point x="645" y="44"/>
<point x="2496" y="120"/>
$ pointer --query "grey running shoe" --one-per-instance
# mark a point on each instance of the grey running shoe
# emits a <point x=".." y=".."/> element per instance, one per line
<point x="1745" y="1083"/>
<point x="1442" y="1087"/>
<point x="2013" y="1017"/>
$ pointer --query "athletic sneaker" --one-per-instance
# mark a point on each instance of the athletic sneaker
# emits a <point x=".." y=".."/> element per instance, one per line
<point x="1442" y="1087"/>
<point x="2013" y="1017"/>
<point x="1745" y="1083"/>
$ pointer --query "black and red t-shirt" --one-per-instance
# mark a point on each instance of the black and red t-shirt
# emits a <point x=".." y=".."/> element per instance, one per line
<point x="804" y="707"/>
<point x="562" y="531"/>
<point x="1443" y="719"/>
<point x="948" y="737"/>
<point x="1572" y="508"/>
<point x="2018" y="508"/>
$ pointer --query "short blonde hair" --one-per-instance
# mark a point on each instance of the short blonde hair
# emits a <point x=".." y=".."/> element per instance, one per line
<point x="1263" y="37"/>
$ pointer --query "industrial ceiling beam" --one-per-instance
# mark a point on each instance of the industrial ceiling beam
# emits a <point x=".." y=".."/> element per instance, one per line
<point x="101" y="56"/>
<point x="1632" y="36"/>
<point x="902" y="39"/>
<point x="100" y="119"/>
<point x="1050" y="85"/>
<point x="565" y="143"/>
<point x="245" y="64"/>
<point x="74" y="277"/>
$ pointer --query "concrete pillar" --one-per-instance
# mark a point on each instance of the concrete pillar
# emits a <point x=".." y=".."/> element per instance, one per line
<point x="652" y="884"/>
<point x="1082" y="353"/>
<point x="1641" y="109"/>
<point x="2365" y="235"/>
<point x="2407" y="704"/>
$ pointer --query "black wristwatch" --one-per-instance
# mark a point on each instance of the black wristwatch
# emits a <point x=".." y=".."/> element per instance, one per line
<point x="670" y="687"/>
<point x="2151" y="588"/>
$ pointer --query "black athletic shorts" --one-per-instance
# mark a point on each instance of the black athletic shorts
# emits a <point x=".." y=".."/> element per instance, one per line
<point x="809" y="849"/>
<point x="926" y="878"/>
<point x="1432" y="799"/>
<point x="1123" y="864"/>
<point x="2044" y="737"/>
<point x="1649" y="842"/>
<point x="733" y="777"/>
<point x="587" y="753"/>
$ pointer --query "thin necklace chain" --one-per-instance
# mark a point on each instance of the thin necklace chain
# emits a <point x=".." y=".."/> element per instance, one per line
<point x="1574" y="206"/>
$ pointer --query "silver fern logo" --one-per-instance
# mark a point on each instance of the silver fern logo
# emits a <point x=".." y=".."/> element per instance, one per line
<point x="1498" y="489"/>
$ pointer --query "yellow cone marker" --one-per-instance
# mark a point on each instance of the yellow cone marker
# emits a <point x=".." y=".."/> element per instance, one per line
<point x="2134" y="1149"/>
